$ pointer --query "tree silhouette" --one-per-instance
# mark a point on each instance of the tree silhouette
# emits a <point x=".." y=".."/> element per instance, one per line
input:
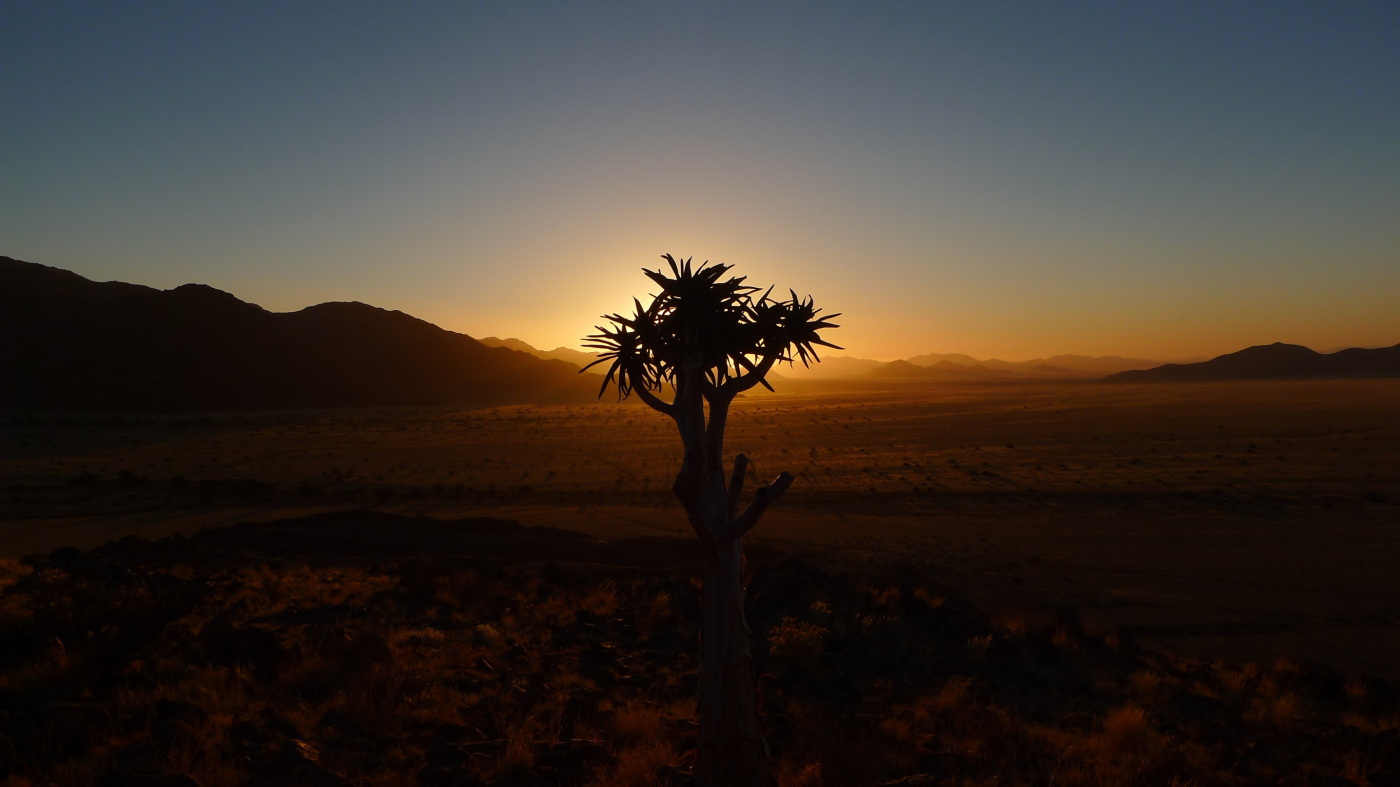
<point x="708" y="339"/>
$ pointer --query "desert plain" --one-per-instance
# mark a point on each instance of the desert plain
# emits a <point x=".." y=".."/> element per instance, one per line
<point x="1245" y="521"/>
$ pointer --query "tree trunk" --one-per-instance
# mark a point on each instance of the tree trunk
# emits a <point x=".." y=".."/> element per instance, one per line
<point x="731" y="751"/>
<point x="731" y="747"/>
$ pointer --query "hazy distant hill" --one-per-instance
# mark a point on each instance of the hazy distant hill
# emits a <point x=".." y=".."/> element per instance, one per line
<point x="931" y="359"/>
<point x="1056" y="365"/>
<point x="943" y="370"/>
<point x="67" y="343"/>
<point x="1277" y="361"/>
<point x="566" y="354"/>
<point x="959" y="366"/>
<point x="831" y="367"/>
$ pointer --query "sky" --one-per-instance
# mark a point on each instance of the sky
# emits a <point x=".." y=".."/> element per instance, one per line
<point x="1155" y="180"/>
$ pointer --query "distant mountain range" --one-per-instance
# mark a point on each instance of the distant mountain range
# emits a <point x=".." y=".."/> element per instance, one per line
<point x="948" y="370"/>
<point x="578" y="358"/>
<point x="832" y="367"/>
<point x="955" y="366"/>
<point x="68" y="343"/>
<point x="1054" y="366"/>
<point x="1277" y="361"/>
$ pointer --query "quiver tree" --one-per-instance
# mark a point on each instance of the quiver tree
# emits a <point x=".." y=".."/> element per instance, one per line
<point x="702" y="341"/>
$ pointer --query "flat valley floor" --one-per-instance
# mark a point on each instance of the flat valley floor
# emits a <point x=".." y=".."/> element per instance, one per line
<point x="1243" y="521"/>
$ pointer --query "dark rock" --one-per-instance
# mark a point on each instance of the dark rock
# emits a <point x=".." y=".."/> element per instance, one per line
<point x="70" y="726"/>
<point x="173" y="719"/>
<point x="166" y="733"/>
<point x="674" y="776"/>
<point x="552" y="573"/>
<point x="358" y="650"/>
<point x="250" y="731"/>
<point x="64" y="557"/>
<point x="257" y="646"/>
<point x="522" y="779"/>
<point x="342" y="722"/>
<point x="449" y="732"/>
<point x="139" y="757"/>
<point x="314" y="777"/>
<point x="1382" y="779"/>
<point x="450" y="764"/>
<point x="571" y="760"/>
<point x="294" y="754"/>
<point x="448" y="777"/>
<point x="11" y="763"/>
<point x="295" y="764"/>
<point x="305" y="777"/>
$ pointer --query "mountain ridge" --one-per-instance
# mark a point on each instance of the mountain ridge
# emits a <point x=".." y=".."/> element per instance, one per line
<point x="1277" y="361"/>
<point x="69" y="343"/>
<point x="1066" y="364"/>
<point x="566" y="354"/>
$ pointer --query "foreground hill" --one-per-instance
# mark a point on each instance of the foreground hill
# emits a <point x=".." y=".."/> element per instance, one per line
<point x="1276" y="361"/>
<point x="67" y="343"/>
<point x="279" y="655"/>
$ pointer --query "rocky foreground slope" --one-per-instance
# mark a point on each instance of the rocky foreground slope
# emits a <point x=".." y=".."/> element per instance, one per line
<point x="238" y="657"/>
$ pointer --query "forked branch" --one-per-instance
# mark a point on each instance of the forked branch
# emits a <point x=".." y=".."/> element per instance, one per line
<point x="761" y="500"/>
<point x="754" y="376"/>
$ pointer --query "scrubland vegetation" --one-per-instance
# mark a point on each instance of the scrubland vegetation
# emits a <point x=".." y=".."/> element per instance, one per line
<point x="1244" y="520"/>
<point x="156" y="664"/>
<point x="995" y="581"/>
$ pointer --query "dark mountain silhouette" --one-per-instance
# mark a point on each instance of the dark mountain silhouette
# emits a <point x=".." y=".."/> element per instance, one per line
<point x="1277" y="361"/>
<point x="67" y="343"/>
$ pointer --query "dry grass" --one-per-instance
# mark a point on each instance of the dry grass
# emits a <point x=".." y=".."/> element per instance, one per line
<point x="1032" y="492"/>
<point x="326" y="672"/>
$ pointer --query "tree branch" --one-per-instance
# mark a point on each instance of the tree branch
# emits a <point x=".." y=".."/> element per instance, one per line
<point x="650" y="398"/>
<point x="748" y="380"/>
<point x="655" y="402"/>
<point x="761" y="501"/>
<point x="736" y="482"/>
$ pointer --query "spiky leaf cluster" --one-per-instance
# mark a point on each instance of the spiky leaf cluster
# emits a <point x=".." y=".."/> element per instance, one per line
<point x="718" y="327"/>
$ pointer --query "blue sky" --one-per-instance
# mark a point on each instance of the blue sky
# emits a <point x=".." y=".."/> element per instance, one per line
<point x="1159" y="180"/>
